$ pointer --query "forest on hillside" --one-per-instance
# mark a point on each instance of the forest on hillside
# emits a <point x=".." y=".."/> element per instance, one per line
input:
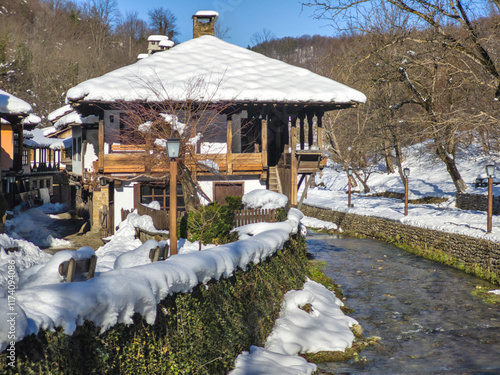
<point x="430" y="71"/>
<point x="49" y="46"/>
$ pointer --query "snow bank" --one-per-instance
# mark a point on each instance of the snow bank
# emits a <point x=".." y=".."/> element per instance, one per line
<point x="115" y="296"/>
<point x="324" y="328"/>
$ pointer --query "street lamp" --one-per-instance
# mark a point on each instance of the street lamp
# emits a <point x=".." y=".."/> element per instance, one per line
<point x="173" y="148"/>
<point x="490" y="171"/>
<point x="406" y="174"/>
<point x="349" y="175"/>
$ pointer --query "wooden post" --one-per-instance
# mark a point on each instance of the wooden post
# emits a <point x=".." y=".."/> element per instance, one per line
<point x="264" y="142"/>
<point x="293" y="143"/>
<point x="489" y="225"/>
<point x="319" y="117"/>
<point x="229" y="153"/>
<point x="310" y="138"/>
<point x="173" y="207"/>
<point x="406" y="196"/>
<point x="302" y="135"/>
<point x="349" y="192"/>
<point x="101" y="146"/>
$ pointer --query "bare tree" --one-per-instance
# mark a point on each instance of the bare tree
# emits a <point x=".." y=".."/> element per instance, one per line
<point x="163" y="21"/>
<point x="455" y="24"/>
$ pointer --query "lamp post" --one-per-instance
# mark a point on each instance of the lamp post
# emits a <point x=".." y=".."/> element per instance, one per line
<point x="173" y="148"/>
<point x="490" y="171"/>
<point x="349" y="176"/>
<point x="406" y="174"/>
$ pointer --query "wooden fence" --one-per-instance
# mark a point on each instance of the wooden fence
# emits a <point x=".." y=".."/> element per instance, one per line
<point x="243" y="217"/>
<point x="160" y="217"/>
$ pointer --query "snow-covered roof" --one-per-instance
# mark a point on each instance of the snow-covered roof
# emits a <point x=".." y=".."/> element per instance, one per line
<point x="73" y="117"/>
<point x="157" y="38"/>
<point x="37" y="139"/>
<point x="31" y="120"/>
<point x="58" y="113"/>
<point x="209" y="69"/>
<point x="166" y="43"/>
<point x="207" y="13"/>
<point x="11" y="105"/>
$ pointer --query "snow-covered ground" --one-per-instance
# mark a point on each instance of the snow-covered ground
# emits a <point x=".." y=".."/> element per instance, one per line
<point x="427" y="178"/>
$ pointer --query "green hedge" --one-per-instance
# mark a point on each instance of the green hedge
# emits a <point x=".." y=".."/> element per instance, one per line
<point x="195" y="333"/>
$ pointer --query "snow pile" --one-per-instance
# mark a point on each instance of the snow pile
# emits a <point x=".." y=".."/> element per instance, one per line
<point x="264" y="199"/>
<point x="27" y="256"/>
<point x="115" y="296"/>
<point x="36" y="225"/>
<point x="323" y="328"/>
<point x="48" y="273"/>
<point x="312" y="222"/>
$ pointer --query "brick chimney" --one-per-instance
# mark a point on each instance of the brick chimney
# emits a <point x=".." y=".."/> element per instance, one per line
<point x="204" y="23"/>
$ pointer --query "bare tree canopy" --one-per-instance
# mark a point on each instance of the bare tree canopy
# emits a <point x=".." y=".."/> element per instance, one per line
<point x="455" y="21"/>
<point x="163" y="22"/>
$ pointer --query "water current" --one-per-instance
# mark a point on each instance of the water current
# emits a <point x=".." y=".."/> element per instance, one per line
<point x="428" y="321"/>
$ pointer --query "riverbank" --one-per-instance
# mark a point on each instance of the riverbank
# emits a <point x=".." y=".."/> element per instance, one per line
<point x="472" y="255"/>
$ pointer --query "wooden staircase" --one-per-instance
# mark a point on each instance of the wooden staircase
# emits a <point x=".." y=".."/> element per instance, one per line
<point x="273" y="178"/>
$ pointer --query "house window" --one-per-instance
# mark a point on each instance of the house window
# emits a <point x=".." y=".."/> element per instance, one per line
<point x="26" y="157"/>
<point x="161" y="193"/>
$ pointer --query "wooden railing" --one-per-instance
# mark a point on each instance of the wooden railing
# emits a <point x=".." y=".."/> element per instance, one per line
<point x="128" y="161"/>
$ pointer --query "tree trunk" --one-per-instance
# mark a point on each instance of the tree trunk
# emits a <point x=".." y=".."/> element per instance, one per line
<point x="451" y="167"/>
<point x="389" y="165"/>
<point x="189" y="190"/>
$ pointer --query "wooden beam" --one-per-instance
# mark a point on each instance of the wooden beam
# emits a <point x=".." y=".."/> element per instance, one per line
<point x="229" y="154"/>
<point x="293" y="172"/>
<point x="310" y="122"/>
<point x="302" y="134"/>
<point x="101" y="146"/>
<point x="319" y="116"/>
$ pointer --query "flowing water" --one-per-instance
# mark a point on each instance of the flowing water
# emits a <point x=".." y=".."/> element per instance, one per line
<point x="424" y="312"/>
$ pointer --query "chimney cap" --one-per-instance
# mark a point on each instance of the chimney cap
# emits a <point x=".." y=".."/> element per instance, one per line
<point x="206" y="14"/>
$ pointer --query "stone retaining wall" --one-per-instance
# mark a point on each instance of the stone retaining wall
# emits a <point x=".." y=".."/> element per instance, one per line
<point x="477" y="202"/>
<point x="468" y="251"/>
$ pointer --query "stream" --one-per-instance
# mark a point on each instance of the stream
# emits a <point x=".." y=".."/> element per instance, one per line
<point x="423" y="311"/>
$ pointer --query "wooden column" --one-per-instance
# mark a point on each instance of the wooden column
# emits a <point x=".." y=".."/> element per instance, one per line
<point x="310" y="138"/>
<point x="302" y="134"/>
<point x="264" y="142"/>
<point x="319" y="117"/>
<point x="173" y="207"/>
<point x="101" y="147"/>
<point x="293" y="145"/>
<point x="229" y="153"/>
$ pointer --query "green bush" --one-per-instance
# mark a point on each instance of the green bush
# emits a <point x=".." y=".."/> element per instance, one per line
<point x="194" y="333"/>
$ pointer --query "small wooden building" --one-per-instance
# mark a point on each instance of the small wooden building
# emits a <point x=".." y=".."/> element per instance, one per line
<point x="271" y="130"/>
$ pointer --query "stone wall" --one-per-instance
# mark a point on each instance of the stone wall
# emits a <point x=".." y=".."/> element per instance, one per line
<point x="477" y="202"/>
<point x="468" y="251"/>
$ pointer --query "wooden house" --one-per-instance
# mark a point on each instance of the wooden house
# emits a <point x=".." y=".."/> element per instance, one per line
<point x="271" y="121"/>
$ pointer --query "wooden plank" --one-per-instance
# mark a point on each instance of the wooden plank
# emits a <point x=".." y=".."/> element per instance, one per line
<point x="101" y="147"/>
<point x="229" y="159"/>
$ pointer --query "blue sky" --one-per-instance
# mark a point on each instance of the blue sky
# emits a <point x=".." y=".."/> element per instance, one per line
<point x="243" y="17"/>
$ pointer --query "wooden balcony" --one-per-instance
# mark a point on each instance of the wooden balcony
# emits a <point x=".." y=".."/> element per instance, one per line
<point x="134" y="161"/>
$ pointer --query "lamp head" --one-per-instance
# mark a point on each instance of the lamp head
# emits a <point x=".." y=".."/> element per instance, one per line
<point x="173" y="147"/>
<point x="349" y="171"/>
<point x="490" y="170"/>
<point x="406" y="172"/>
